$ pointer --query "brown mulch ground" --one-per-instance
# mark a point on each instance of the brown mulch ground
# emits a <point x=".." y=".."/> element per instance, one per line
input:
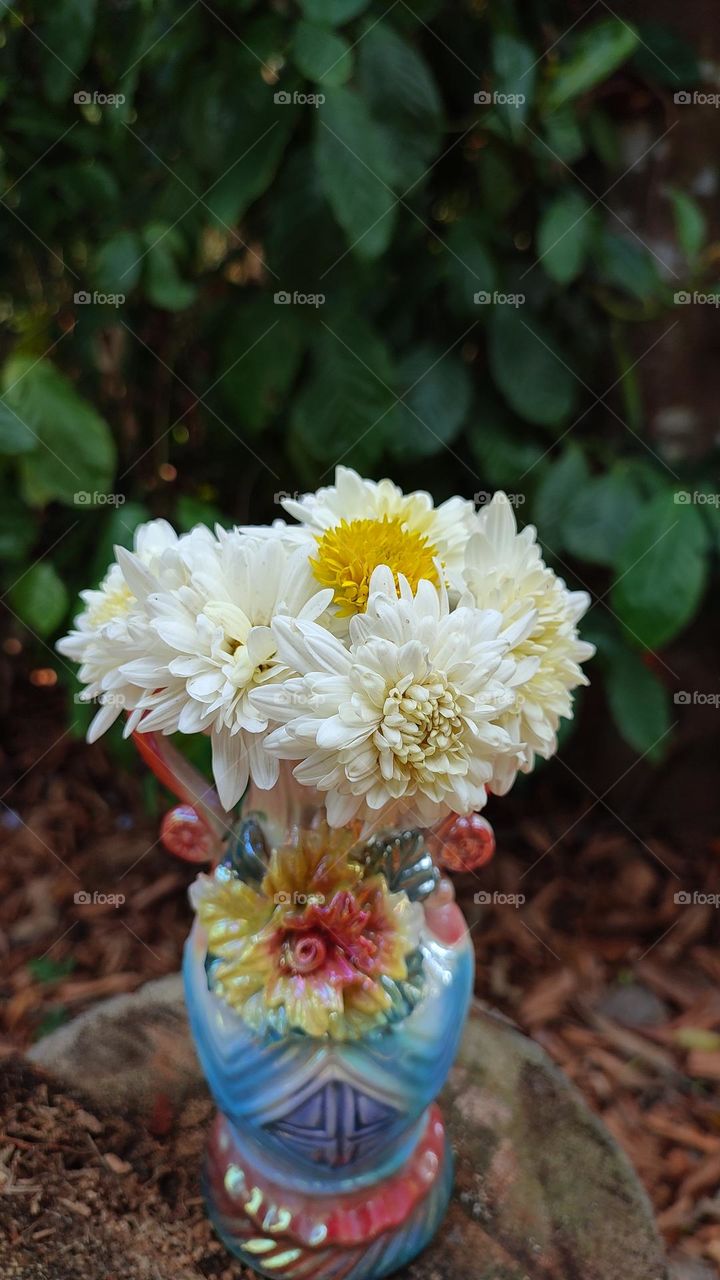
<point x="616" y="979"/>
<point x="84" y="1192"/>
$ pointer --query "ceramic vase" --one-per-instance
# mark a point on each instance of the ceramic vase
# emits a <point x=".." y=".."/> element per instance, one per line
<point x="328" y="1156"/>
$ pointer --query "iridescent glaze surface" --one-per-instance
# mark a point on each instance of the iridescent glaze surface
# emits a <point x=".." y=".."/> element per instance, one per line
<point x="327" y="978"/>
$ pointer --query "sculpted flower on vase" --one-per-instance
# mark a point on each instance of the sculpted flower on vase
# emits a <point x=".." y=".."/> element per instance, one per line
<point x="317" y="947"/>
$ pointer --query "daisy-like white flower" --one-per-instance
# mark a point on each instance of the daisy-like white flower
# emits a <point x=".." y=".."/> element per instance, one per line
<point x="359" y="524"/>
<point x="505" y="571"/>
<point x="407" y="710"/>
<point x="208" y="644"/>
<point x="110" y="628"/>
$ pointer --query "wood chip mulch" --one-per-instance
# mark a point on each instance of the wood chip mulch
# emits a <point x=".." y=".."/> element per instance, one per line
<point x="86" y="1194"/>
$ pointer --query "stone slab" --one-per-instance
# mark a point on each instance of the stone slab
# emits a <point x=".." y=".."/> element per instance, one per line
<point x="542" y="1192"/>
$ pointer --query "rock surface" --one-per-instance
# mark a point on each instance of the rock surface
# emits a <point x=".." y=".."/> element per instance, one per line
<point x="542" y="1191"/>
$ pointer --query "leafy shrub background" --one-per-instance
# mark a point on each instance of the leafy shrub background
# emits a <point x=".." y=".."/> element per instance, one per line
<point x="399" y="199"/>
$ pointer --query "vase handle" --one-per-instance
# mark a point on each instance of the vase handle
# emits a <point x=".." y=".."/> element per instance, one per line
<point x="194" y="830"/>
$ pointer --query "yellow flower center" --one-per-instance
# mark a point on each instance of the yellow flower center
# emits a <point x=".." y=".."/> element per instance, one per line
<point x="348" y="554"/>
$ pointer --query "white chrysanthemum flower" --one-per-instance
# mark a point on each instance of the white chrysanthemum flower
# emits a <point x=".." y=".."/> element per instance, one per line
<point x="355" y="525"/>
<point x="110" y="628"/>
<point x="505" y="571"/>
<point x="209" y="643"/>
<point x="407" y="710"/>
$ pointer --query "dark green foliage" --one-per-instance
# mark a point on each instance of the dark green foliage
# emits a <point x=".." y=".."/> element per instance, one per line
<point x="245" y="241"/>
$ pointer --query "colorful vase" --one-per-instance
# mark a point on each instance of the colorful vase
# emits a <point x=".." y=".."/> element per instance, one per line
<point x="327" y="977"/>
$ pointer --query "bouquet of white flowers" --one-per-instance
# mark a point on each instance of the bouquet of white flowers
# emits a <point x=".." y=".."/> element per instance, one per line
<point x="396" y="650"/>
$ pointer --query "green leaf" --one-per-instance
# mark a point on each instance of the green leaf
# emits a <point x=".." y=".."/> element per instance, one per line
<point x="397" y="81"/>
<point x="639" y="703"/>
<point x="627" y="265"/>
<point x="163" y="285"/>
<point x="15" y="434"/>
<point x="355" y="168"/>
<point x="664" y="56"/>
<point x="45" y="969"/>
<point x="435" y="403"/>
<point x="261" y="354"/>
<point x="564" y="137"/>
<point x="697" y="1038"/>
<point x="303" y="240"/>
<point x="333" y="12"/>
<point x="399" y="88"/>
<point x="515" y="65"/>
<point x="17" y="529"/>
<point x="559" y="485"/>
<point x="469" y="268"/>
<point x="244" y="181"/>
<point x="501" y="185"/>
<point x="192" y="511"/>
<point x="598" y="517"/>
<point x="690" y="223"/>
<point x="75" y="452"/>
<point x="504" y="456"/>
<point x="40" y="599"/>
<point x="66" y="34"/>
<point x="322" y="56"/>
<point x="565" y="235"/>
<point x="661" y="571"/>
<point x="604" y="137"/>
<point x="118" y="263"/>
<point x="529" y="367"/>
<point x="597" y="52"/>
<point x="342" y="411"/>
